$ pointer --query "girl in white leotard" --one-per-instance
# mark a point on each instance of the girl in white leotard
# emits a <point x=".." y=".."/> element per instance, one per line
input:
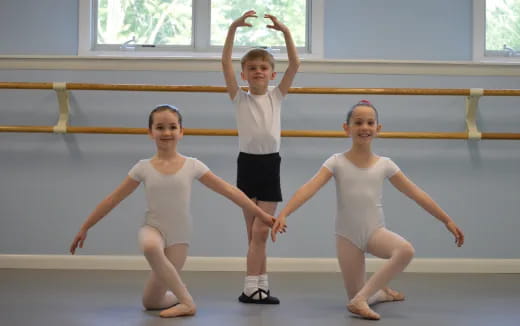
<point x="360" y="228"/>
<point x="165" y="236"/>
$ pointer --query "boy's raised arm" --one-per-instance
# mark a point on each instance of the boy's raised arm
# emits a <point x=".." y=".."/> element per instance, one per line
<point x="227" y="62"/>
<point x="292" y="54"/>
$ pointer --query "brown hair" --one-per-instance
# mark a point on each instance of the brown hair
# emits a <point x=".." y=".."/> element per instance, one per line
<point x="257" y="53"/>
<point x="362" y="103"/>
<point x="161" y="108"/>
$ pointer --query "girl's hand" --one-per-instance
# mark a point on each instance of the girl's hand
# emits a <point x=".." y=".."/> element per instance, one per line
<point x="454" y="229"/>
<point x="78" y="241"/>
<point x="277" y="25"/>
<point x="242" y="20"/>
<point x="279" y="227"/>
<point x="268" y="219"/>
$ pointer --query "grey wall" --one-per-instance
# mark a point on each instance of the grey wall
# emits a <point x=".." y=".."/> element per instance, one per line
<point x="398" y="29"/>
<point x="354" y="29"/>
<point x="50" y="183"/>
<point x="39" y="27"/>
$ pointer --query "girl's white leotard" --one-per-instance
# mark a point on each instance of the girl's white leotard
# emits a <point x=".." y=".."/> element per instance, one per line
<point x="168" y="198"/>
<point x="359" y="197"/>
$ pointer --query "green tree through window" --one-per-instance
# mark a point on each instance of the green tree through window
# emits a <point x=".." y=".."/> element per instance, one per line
<point x="502" y="25"/>
<point x="291" y="13"/>
<point x="157" y="22"/>
<point x="168" y="23"/>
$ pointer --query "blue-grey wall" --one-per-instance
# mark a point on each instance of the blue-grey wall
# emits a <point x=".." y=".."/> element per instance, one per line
<point x="354" y="29"/>
<point x="47" y="27"/>
<point x="49" y="183"/>
<point x="398" y="29"/>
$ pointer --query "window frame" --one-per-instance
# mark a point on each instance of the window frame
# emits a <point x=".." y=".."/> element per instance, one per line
<point x="479" y="38"/>
<point x="200" y="47"/>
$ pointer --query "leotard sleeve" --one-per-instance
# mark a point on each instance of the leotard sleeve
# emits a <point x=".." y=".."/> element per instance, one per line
<point x="199" y="168"/>
<point x="136" y="172"/>
<point x="390" y="168"/>
<point x="330" y="163"/>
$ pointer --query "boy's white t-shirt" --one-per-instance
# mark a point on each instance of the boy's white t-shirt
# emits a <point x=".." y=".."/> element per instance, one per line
<point x="258" y="121"/>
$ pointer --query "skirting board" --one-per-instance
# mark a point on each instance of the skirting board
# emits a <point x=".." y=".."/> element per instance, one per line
<point x="228" y="264"/>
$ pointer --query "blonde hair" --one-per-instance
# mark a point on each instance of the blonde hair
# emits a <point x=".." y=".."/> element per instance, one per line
<point x="257" y="53"/>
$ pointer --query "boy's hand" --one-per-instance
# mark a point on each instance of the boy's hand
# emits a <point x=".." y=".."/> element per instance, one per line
<point x="279" y="227"/>
<point x="277" y="25"/>
<point x="242" y="20"/>
<point x="459" y="236"/>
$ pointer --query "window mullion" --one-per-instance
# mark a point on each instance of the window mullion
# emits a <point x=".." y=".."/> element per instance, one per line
<point x="479" y="30"/>
<point x="201" y="24"/>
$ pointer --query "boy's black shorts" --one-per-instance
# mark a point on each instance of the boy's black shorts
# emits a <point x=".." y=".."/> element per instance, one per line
<point x="258" y="176"/>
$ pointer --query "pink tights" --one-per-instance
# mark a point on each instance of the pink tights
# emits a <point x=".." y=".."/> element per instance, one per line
<point x="164" y="288"/>
<point x="383" y="244"/>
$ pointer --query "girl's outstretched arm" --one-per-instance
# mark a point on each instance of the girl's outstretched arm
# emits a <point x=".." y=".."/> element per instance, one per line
<point x="299" y="198"/>
<point x="121" y="192"/>
<point x="217" y="184"/>
<point x="407" y="187"/>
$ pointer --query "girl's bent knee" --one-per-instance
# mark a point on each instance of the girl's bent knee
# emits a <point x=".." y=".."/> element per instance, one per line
<point x="151" y="248"/>
<point x="148" y="304"/>
<point x="407" y="251"/>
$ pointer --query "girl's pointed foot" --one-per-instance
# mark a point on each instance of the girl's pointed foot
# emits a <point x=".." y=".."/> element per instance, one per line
<point x="362" y="309"/>
<point x="393" y="295"/>
<point x="179" y="310"/>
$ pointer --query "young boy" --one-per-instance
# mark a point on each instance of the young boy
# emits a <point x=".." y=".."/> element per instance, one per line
<point x="258" y="120"/>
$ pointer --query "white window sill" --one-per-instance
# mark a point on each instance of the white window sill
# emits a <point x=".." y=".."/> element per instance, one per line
<point x="211" y="62"/>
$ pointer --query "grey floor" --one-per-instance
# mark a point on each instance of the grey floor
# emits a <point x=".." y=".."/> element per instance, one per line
<point x="52" y="297"/>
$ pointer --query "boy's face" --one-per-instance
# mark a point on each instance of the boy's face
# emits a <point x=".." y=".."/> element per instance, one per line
<point x="257" y="73"/>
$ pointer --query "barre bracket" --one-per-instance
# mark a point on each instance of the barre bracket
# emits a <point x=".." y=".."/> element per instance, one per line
<point x="63" y="101"/>
<point x="471" y="113"/>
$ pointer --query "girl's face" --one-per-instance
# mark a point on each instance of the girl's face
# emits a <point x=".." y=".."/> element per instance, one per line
<point x="166" y="129"/>
<point x="363" y="126"/>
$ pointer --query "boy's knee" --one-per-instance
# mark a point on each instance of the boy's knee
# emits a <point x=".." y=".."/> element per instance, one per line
<point x="260" y="232"/>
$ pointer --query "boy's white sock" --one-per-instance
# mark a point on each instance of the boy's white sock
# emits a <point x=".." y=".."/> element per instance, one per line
<point x="250" y="284"/>
<point x="263" y="282"/>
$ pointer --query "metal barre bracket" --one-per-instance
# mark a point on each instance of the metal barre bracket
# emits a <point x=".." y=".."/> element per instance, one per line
<point x="63" y="101"/>
<point x="471" y="113"/>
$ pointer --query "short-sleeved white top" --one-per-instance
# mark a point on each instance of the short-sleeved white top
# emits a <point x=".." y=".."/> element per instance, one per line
<point x="258" y="121"/>
<point x="359" y="195"/>
<point x="168" y="197"/>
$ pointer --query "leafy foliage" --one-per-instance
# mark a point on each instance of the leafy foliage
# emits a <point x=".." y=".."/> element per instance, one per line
<point x="169" y="22"/>
<point x="149" y="21"/>
<point x="290" y="13"/>
<point x="502" y="24"/>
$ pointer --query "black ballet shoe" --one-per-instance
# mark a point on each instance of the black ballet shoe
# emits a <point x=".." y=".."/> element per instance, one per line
<point x="265" y="297"/>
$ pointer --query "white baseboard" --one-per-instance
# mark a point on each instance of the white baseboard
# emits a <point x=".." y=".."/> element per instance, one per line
<point x="231" y="264"/>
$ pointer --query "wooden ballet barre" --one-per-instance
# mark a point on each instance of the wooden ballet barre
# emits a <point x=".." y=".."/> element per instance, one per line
<point x="233" y="132"/>
<point x="294" y="90"/>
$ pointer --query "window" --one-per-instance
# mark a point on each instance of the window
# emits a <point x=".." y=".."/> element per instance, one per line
<point x="496" y="30"/>
<point x="193" y="27"/>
